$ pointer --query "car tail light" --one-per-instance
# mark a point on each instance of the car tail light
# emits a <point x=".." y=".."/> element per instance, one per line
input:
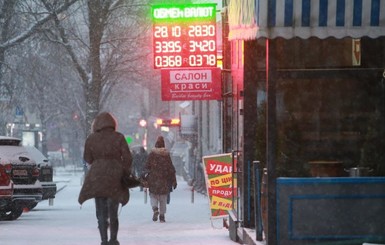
<point x="35" y="172"/>
<point x="8" y="168"/>
<point x="4" y="176"/>
<point x="6" y="192"/>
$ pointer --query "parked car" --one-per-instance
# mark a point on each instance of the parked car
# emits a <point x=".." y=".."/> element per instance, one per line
<point x="27" y="189"/>
<point x="6" y="190"/>
<point x="45" y="172"/>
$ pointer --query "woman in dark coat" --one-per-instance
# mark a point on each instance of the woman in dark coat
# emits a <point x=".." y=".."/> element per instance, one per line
<point x="109" y="157"/>
<point x="159" y="172"/>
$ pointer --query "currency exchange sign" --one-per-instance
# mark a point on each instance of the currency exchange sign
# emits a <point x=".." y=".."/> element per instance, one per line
<point x="184" y="36"/>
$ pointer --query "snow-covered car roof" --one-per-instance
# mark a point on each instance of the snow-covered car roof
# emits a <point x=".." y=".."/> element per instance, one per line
<point x="11" y="151"/>
<point x="15" y="154"/>
<point x="37" y="156"/>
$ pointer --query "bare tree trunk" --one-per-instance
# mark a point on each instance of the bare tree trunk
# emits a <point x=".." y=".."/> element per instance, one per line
<point x="97" y="18"/>
<point x="5" y="17"/>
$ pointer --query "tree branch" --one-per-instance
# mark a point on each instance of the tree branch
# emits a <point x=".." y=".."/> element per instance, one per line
<point x="33" y="29"/>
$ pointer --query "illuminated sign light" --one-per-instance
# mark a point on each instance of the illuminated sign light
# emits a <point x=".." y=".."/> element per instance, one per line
<point x="187" y="12"/>
<point x="184" y="36"/>
<point x="143" y="123"/>
<point x="168" y="122"/>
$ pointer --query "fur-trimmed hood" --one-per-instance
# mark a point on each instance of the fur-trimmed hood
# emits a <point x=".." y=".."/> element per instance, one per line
<point x="160" y="151"/>
<point x="104" y="120"/>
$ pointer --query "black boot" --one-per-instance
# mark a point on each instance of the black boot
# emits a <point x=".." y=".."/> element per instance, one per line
<point x="161" y="218"/>
<point x="101" y="215"/>
<point x="114" y="226"/>
<point x="113" y="242"/>
<point x="155" y="215"/>
<point x="103" y="227"/>
<point x="103" y="235"/>
<point x="114" y="222"/>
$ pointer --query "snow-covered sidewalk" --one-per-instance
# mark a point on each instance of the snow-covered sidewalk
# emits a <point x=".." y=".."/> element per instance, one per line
<point x="66" y="223"/>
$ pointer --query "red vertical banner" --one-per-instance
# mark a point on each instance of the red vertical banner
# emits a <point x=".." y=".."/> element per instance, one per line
<point x="220" y="182"/>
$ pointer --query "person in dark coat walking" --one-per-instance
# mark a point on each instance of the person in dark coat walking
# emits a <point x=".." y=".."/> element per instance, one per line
<point x="159" y="172"/>
<point x="139" y="159"/>
<point x="109" y="157"/>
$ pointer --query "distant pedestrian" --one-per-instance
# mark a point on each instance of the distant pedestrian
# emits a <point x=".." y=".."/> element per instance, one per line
<point x="139" y="159"/>
<point x="159" y="172"/>
<point x="109" y="157"/>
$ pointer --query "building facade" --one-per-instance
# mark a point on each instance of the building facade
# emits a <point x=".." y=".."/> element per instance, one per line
<point x="305" y="85"/>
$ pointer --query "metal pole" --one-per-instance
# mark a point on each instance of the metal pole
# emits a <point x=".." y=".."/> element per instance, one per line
<point x="271" y="139"/>
<point x="257" y="200"/>
<point x="192" y="194"/>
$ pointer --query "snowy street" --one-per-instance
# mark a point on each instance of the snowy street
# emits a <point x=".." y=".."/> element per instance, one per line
<point x="66" y="223"/>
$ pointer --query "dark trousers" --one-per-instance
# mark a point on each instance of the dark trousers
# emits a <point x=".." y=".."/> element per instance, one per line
<point x="107" y="210"/>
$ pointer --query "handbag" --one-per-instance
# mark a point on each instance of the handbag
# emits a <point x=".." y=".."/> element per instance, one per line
<point x="130" y="181"/>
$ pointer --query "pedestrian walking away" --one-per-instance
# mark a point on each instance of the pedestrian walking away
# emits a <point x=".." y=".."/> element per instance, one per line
<point x="109" y="158"/>
<point x="159" y="173"/>
<point x="139" y="159"/>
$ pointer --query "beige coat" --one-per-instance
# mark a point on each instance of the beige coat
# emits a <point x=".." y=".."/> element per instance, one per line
<point x="109" y="156"/>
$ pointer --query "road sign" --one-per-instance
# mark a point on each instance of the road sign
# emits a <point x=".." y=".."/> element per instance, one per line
<point x="19" y="111"/>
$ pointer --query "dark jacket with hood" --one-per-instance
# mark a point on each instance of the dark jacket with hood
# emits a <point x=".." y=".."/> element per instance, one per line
<point x="109" y="156"/>
<point x="159" y="172"/>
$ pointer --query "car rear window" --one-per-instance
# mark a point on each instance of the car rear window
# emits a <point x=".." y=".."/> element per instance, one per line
<point x="9" y="142"/>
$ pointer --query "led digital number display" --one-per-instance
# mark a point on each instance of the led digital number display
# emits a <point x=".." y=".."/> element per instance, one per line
<point x="184" y="36"/>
